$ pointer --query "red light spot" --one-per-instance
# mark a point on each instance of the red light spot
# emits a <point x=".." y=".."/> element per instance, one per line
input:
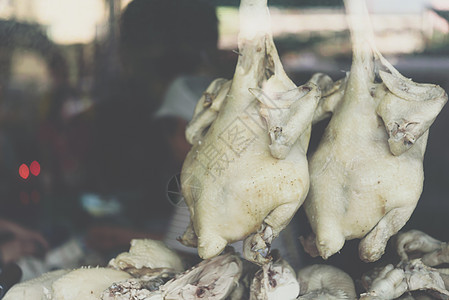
<point x="35" y="168"/>
<point x="24" y="198"/>
<point x="24" y="172"/>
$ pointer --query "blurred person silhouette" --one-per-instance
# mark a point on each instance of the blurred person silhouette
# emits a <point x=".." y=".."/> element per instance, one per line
<point x="166" y="47"/>
<point x="17" y="241"/>
<point x="63" y="139"/>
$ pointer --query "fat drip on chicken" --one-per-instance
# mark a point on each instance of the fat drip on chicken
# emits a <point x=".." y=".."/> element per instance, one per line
<point x="247" y="174"/>
<point x="367" y="173"/>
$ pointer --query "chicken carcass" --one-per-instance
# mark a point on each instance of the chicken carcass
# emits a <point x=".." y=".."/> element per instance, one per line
<point x="35" y="289"/>
<point x="213" y="279"/>
<point x="392" y="282"/>
<point x="84" y="283"/>
<point x="415" y="243"/>
<point x="367" y="173"/>
<point x="432" y="252"/>
<point x="147" y="254"/>
<point x="150" y="261"/>
<point x="246" y="174"/>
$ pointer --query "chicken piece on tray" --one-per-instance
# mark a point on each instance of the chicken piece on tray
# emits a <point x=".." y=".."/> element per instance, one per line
<point x="247" y="174"/>
<point x="432" y="252"/>
<point x="215" y="278"/>
<point x="146" y="255"/>
<point x="84" y="283"/>
<point x="212" y="279"/>
<point x="408" y="276"/>
<point x="274" y="280"/>
<point x="277" y="280"/>
<point x="35" y="289"/>
<point x="367" y="173"/>
<point x="415" y="243"/>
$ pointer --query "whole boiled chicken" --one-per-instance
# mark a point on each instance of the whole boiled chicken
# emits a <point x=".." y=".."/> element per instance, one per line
<point x="247" y="174"/>
<point x="367" y="172"/>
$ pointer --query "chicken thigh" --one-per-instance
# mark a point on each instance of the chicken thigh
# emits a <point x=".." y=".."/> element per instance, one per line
<point x="367" y="172"/>
<point x="247" y="174"/>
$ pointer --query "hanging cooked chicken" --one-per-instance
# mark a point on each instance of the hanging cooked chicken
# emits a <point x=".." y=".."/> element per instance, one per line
<point x="246" y="174"/>
<point x="367" y="173"/>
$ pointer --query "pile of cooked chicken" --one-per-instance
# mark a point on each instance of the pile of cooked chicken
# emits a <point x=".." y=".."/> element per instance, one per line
<point x="247" y="174"/>
<point x="151" y="271"/>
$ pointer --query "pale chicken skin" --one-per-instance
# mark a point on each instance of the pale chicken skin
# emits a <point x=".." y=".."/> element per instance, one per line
<point x="356" y="181"/>
<point x="247" y="173"/>
<point x="367" y="173"/>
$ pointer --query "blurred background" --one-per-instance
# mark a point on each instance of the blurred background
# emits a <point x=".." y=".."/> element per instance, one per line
<point x="68" y="154"/>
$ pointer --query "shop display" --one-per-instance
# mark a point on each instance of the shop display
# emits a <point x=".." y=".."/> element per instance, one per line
<point x="247" y="174"/>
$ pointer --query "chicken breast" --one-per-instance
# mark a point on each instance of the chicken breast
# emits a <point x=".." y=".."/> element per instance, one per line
<point x="367" y="173"/>
<point x="247" y="174"/>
